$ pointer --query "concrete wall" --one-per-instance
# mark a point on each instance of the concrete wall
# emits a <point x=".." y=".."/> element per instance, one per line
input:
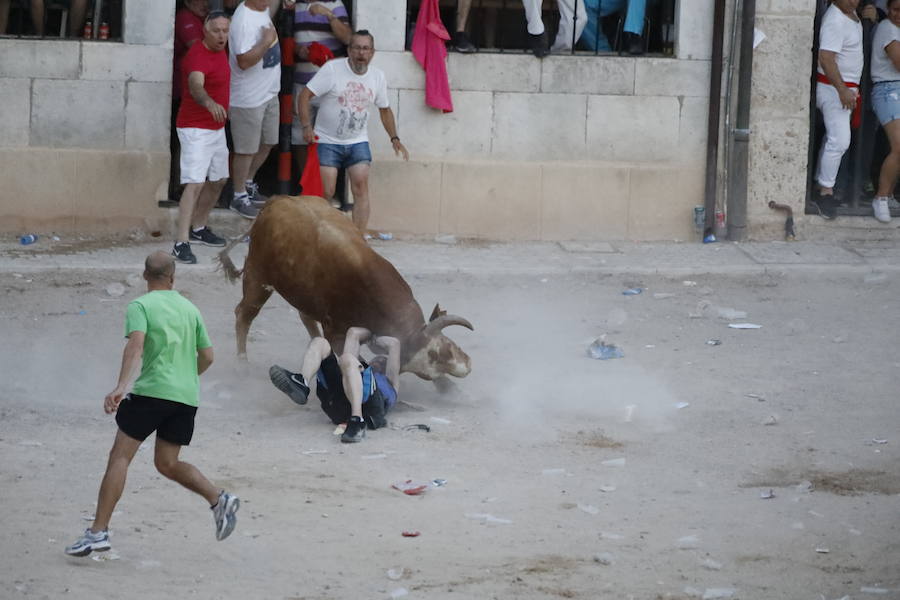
<point x="779" y="115"/>
<point x="567" y="147"/>
<point x="84" y="133"/>
<point x="587" y="147"/>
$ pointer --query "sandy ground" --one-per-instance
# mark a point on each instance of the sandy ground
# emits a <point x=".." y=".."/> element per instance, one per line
<point x="566" y="477"/>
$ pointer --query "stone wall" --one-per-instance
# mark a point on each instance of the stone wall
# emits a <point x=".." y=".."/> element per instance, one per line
<point x="568" y="147"/>
<point x="84" y="133"/>
<point x="779" y="114"/>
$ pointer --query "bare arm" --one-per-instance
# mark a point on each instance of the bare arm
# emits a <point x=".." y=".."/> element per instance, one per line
<point x="828" y="61"/>
<point x="392" y="368"/>
<point x="341" y="30"/>
<point x="256" y="53"/>
<point x="893" y="52"/>
<point x="196" y="81"/>
<point x="305" y="114"/>
<point x="204" y="359"/>
<point x="131" y="362"/>
<point x="387" y="119"/>
<point x="355" y="336"/>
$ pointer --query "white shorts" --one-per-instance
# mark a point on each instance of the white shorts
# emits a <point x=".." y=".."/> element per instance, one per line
<point x="204" y="154"/>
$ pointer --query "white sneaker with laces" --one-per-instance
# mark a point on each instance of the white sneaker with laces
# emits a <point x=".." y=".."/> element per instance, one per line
<point x="224" y="514"/>
<point x="881" y="210"/>
<point x="89" y="542"/>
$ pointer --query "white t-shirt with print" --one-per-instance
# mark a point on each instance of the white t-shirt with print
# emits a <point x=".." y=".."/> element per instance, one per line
<point x="843" y="36"/>
<point x="345" y="98"/>
<point x="882" y="68"/>
<point x="260" y="83"/>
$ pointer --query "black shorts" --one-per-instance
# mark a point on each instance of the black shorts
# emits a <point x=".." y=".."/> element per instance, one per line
<point x="139" y="416"/>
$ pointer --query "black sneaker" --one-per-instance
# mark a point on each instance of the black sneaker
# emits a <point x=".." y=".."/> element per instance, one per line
<point x="291" y="384"/>
<point x="827" y="206"/>
<point x="634" y="44"/>
<point x="182" y="253"/>
<point x="538" y="44"/>
<point x="462" y="43"/>
<point x="256" y="199"/>
<point x="355" y="432"/>
<point x="206" y="237"/>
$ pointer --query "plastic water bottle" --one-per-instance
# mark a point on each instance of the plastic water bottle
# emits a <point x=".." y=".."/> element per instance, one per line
<point x="28" y="238"/>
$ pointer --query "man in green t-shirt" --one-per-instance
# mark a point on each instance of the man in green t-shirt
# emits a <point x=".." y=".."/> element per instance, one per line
<point x="167" y="338"/>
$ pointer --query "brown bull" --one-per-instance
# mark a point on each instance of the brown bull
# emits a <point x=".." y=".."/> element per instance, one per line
<point x="316" y="259"/>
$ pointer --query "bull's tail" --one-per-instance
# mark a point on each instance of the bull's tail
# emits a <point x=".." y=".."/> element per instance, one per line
<point x="225" y="262"/>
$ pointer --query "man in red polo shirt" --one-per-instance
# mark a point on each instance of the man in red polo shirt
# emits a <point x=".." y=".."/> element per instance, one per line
<point x="201" y="131"/>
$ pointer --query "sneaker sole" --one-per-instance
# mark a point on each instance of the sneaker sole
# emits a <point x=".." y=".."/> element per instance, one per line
<point x="281" y="380"/>
<point x="185" y="262"/>
<point x="822" y="213"/>
<point x="231" y="208"/>
<point x="230" y="520"/>
<point x="221" y="244"/>
<point x="102" y="548"/>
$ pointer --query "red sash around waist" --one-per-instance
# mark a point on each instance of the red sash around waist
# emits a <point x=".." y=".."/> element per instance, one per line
<point x="856" y="116"/>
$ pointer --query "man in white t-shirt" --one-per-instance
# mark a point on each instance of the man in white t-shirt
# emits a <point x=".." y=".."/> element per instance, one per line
<point x="346" y="88"/>
<point x="255" y="59"/>
<point x="839" y="71"/>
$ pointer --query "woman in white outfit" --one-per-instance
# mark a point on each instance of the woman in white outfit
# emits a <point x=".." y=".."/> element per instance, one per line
<point x="885" y="69"/>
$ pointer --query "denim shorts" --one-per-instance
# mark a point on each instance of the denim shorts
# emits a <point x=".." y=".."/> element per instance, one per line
<point x="340" y="155"/>
<point x="886" y="101"/>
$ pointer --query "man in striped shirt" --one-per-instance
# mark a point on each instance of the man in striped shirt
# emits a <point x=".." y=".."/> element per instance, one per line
<point x="327" y="23"/>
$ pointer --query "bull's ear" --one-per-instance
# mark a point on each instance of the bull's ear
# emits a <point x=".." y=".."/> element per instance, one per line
<point x="437" y="312"/>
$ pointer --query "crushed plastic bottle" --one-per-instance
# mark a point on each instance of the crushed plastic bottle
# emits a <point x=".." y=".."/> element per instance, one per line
<point x="603" y="351"/>
<point x="28" y="238"/>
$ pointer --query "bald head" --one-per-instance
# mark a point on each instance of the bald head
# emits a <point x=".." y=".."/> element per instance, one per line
<point x="159" y="267"/>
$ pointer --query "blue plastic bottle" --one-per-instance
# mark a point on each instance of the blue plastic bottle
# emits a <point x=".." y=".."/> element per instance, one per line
<point x="28" y="238"/>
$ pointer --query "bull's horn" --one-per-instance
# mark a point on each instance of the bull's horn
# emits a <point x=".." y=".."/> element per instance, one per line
<point x="433" y="327"/>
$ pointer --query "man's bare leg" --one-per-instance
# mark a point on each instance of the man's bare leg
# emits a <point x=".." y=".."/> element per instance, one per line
<point x="359" y="185"/>
<point x="329" y="182"/>
<point x="186" y="210"/>
<point x="209" y="195"/>
<point x="167" y="463"/>
<point x="123" y="450"/>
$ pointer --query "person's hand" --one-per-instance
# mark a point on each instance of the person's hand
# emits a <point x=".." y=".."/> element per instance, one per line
<point x="301" y="51"/>
<point x="400" y="149"/>
<point x="848" y="97"/>
<point x="309" y="136"/>
<point x="217" y="111"/>
<point x="320" y="10"/>
<point x="870" y="12"/>
<point x="112" y="400"/>
<point x="268" y="35"/>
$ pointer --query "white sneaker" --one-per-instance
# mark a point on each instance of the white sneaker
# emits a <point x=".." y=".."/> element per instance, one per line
<point x="892" y="203"/>
<point x="881" y="210"/>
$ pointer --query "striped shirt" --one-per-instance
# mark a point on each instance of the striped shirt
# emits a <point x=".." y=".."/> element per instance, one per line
<point x="309" y="28"/>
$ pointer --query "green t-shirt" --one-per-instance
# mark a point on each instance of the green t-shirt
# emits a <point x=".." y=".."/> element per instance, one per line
<point x="174" y="331"/>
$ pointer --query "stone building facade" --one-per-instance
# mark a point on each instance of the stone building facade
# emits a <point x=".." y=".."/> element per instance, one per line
<point x="568" y="147"/>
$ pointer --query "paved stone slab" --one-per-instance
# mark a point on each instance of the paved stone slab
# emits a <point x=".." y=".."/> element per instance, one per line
<point x="879" y="254"/>
<point x="797" y="253"/>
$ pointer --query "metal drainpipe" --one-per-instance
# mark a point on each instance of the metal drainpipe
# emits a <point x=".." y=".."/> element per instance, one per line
<point x="715" y="102"/>
<point x="736" y="209"/>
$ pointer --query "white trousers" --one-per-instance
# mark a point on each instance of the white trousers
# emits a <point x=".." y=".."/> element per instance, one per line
<point x="533" y="16"/>
<point x="568" y="24"/>
<point x="837" y="134"/>
<point x="566" y="21"/>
